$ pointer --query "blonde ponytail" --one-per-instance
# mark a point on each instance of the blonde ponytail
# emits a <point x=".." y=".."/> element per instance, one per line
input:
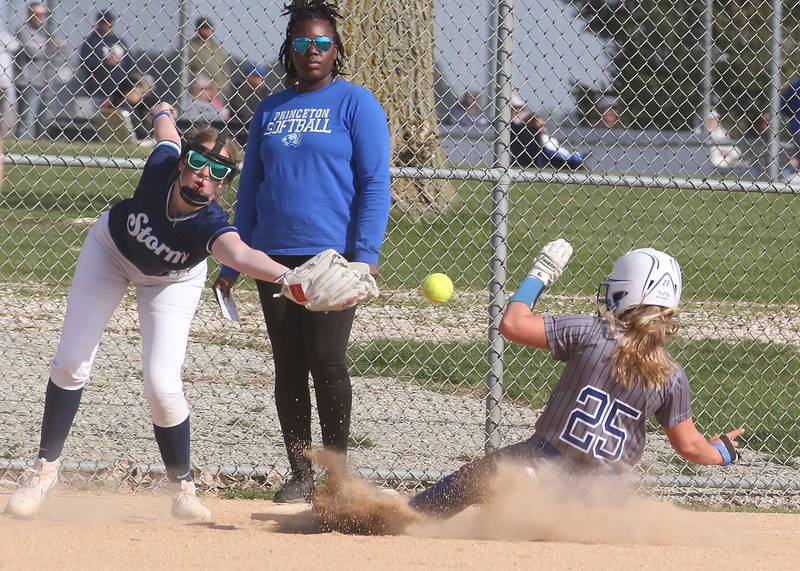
<point x="641" y="355"/>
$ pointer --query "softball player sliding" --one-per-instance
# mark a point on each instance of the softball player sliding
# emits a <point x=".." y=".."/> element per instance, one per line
<point x="618" y="374"/>
<point x="158" y="240"/>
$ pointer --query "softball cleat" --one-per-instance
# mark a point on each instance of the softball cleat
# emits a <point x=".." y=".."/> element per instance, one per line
<point x="185" y="503"/>
<point x="297" y="490"/>
<point x="37" y="482"/>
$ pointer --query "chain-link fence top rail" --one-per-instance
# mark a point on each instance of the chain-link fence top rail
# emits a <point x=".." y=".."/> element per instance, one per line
<point x="668" y="124"/>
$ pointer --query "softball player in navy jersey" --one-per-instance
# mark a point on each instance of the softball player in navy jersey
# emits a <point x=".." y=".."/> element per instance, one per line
<point x="158" y="241"/>
<point x="618" y="374"/>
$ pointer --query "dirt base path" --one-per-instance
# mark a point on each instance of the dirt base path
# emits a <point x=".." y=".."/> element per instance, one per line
<point x="136" y="532"/>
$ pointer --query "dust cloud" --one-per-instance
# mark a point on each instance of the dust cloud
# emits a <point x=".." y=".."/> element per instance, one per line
<point x="544" y="507"/>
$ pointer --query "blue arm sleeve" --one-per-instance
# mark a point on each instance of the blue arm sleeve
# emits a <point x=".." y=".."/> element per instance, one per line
<point x="249" y="181"/>
<point x="726" y="456"/>
<point x="369" y="132"/>
<point x="528" y="291"/>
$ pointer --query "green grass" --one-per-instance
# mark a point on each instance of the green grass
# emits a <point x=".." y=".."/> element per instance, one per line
<point x="723" y="240"/>
<point x="358" y="441"/>
<point x="748" y="384"/>
<point x="733" y="247"/>
<point x="78" y="148"/>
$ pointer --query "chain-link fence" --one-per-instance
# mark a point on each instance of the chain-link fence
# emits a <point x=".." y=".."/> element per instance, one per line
<point x="616" y="124"/>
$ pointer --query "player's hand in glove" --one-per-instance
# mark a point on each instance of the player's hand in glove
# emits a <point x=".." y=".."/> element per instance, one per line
<point x="552" y="260"/>
<point x="328" y="282"/>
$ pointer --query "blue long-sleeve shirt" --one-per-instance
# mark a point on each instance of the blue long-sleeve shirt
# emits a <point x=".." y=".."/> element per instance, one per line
<point x="316" y="174"/>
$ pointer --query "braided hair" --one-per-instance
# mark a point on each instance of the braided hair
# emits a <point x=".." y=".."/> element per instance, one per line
<point x="300" y="11"/>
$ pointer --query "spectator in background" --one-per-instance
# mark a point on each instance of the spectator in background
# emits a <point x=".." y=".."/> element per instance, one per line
<point x="204" y="105"/>
<point x="723" y="154"/>
<point x="532" y="145"/>
<point x="791" y="173"/>
<point x="761" y="124"/>
<point x="8" y="46"/>
<point x="607" y="114"/>
<point x="140" y="99"/>
<point x="105" y="64"/>
<point x="250" y="93"/>
<point x="790" y="108"/>
<point x="37" y="49"/>
<point x="117" y="125"/>
<point x="118" y="80"/>
<point x="758" y="139"/>
<point x="520" y="112"/>
<point x="467" y="113"/>
<point x="609" y="118"/>
<point x="209" y="57"/>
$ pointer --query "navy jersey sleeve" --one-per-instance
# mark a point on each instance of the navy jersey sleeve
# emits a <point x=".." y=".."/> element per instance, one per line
<point x="676" y="406"/>
<point x="160" y="167"/>
<point x="215" y="224"/>
<point x="566" y="332"/>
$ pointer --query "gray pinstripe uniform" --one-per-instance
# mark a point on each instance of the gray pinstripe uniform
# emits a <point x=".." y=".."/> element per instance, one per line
<point x="591" y="423"/>
<point x="590" y="417"/>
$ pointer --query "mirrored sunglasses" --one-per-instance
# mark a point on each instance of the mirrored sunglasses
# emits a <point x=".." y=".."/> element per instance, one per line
<point x="322" y="43"/>
<point x="197" y="161"/>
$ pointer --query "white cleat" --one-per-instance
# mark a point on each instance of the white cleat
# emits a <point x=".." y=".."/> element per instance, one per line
<point x="185" y="503"/>
<point x="37" y="482"/>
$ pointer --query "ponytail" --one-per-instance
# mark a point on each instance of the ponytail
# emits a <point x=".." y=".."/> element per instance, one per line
<point x="641" y="356"/>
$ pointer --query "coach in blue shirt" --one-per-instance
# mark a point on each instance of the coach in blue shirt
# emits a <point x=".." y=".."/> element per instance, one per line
<point x="315" y="176"/>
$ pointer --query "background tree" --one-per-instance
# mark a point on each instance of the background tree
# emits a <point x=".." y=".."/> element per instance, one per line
<point x="390" y="49"/>
<point x="657" y="55"/>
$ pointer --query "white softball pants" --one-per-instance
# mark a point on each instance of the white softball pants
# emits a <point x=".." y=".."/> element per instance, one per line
<point x="166" y="306"/>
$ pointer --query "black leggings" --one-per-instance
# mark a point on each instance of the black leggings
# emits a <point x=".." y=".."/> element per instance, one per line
<point x="304" y="341"/>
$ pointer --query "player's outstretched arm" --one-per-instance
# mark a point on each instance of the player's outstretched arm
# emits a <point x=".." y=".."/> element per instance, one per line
<point x="693" y="446"/>
<point x="233" y="252"/>
<point x="519" y="323"/>
<point x="162" y="117"/>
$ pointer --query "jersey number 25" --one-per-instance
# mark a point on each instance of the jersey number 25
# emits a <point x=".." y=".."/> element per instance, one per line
<point x="606" y="413"/>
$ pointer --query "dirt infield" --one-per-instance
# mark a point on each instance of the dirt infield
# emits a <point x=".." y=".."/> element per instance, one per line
<point x="135" y="531"/>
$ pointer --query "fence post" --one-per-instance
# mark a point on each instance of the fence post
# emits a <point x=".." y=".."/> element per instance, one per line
<point x="183" y="49"/>
<point x="775" y="90"/>
<point x="497" y="265"/>
<point x="708" y="47"/>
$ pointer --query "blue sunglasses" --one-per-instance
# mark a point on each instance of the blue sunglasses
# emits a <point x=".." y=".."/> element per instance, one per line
<point x="322" y="43"/>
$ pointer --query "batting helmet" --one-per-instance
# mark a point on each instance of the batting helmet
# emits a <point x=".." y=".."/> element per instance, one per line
<point x="642" y="277"/>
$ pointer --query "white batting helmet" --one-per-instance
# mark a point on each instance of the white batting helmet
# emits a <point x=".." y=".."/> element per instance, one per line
<point x="642" y="277"/>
